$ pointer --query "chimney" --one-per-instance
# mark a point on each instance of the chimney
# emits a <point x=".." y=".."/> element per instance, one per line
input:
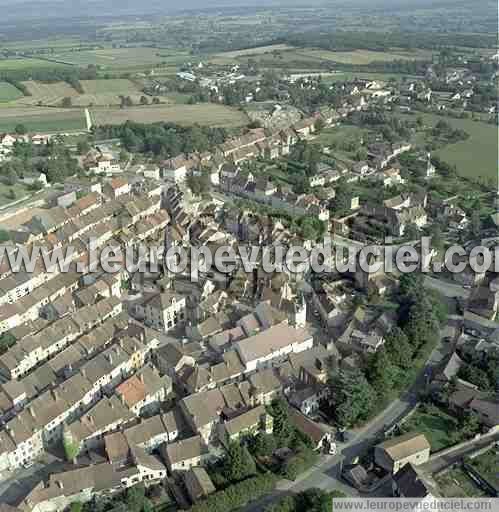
<point x="110" y="358"/>
<point x="83" y="372"/>
<point x="60" y="484"/>
<point x="90" y="419"/>
<point x="141" y="377"/>
<point x="121" y="343"/>
<point x="55" y="394"/>
<point x="32" y="411"/>
<point x="111" y="405"/>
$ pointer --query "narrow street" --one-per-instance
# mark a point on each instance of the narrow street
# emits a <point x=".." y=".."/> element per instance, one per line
<point x="326" y="474"/>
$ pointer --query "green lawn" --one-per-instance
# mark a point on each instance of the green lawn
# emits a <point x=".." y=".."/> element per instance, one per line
<point x="9" y="93"/>
<point x="457" y="484"/>
<point x="475" y="157"/>
<point x="435" y="424"/>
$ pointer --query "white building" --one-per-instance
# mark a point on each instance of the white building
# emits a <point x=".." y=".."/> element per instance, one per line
<point x="162" y="311"/>
<point x="272" y="345"/>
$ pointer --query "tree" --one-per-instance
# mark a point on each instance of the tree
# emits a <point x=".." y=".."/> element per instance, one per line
<point x="4" y="236"/>
<point x="381" y="373"/>
<point x="256" y="123"/>
<point x="470" y="424"/>
<point x="353" y="397"/>
<point x="286" y="504"/>
<point x="437" y="240"/>
<point x="20" y="129"/>
<point x="320" y="124"/>
<point x="144" y="100"/>
<point x="71" y="446"/>
<point x="82" y="147"/>
<point x="475" y="375"/>
<point x="411" y="287"/>
<point x="136" y="498"/>
<point x="155" y="100"/>
<point x="475" y="222"/>
<point x="361" y="154"/>
<point x="342" y="199"/>
<point x="12" y="194"/>
<point x="238" y="464"/>
<point x="199" y="184"/>
<point x="264" y="445"/>
<point x="421" y="324"/>
<point x="337" y="494"/>
<point x="313" y="500"/>
<point x="311" y="228"/>
<point x="398" y="348"/>
<point x="282" y="429"/>
<point x="412" y="232"/>
<point x="67" y="102"/>
<point x="6" y="341"/>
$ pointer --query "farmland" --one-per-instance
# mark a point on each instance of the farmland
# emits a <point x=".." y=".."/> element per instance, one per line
<point x="44" y="120"/>
<point x="122" y="57"/>
<point x="363" y="56"/>
<point x="475" y="157"/>
<point x="205" y="114"/>
<point x="46" y="94"/>
<point x="283" y="56"/>
<point x="26" y="63"/>
<point x="254" y="51"/>
<point x="106" y="92"/>
<point x="8" y="92"/>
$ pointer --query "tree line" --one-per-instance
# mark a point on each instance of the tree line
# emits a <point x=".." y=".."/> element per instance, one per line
<point x="357" y="394"/>
<point x="163" y="140"/>
<point x="382" y="41"/>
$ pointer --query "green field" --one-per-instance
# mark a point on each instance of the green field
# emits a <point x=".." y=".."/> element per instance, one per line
<point x="123" y="57"/>
<point x="37" y="44"/>
<point x="475" y="157"/>
<point x="42" y="120"/>
<point x="9" y="93"/>
<point x="206" y="114"/>
<point x="435" y="424"/>
<point x="21" y="64"/>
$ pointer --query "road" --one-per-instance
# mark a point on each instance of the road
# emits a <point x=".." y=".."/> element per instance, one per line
<point x="14" y="485"/>
<point x="446" y="288"/>
<point x="438" y="463"/>
<point x="326" y="474"/>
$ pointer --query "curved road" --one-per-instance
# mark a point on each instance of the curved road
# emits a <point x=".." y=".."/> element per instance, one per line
<point x="326" y="474"/>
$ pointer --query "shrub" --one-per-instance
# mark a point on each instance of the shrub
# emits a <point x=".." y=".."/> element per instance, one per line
<point x="237" y="495"/>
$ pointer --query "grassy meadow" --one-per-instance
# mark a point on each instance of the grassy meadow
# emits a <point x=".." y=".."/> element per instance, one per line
<point x="9" y="93"/>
